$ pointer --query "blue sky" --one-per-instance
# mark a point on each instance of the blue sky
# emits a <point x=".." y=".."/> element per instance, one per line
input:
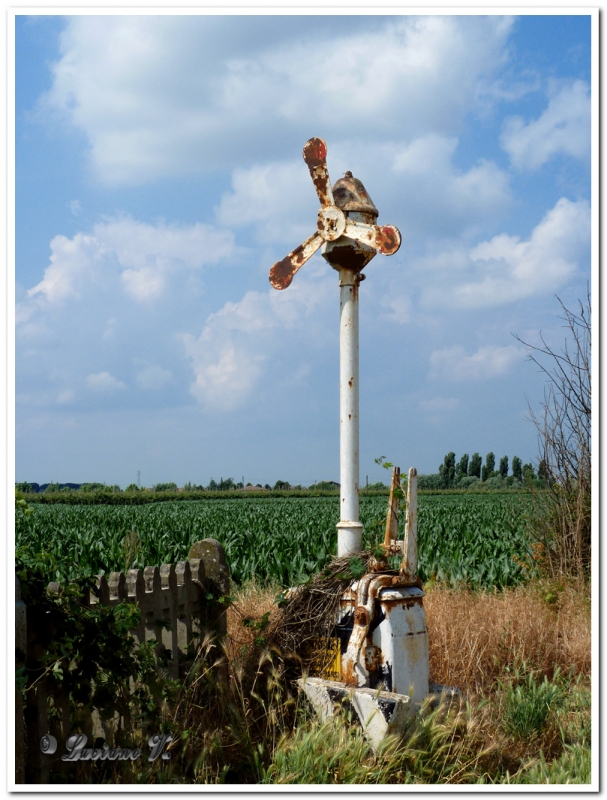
<point x="159" y="176"/>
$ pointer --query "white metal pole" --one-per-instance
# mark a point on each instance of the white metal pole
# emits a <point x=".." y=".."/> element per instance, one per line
<point x="349" y="529"/>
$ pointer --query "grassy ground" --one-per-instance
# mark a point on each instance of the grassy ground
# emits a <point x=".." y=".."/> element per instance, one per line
<point x="520" y="656"/>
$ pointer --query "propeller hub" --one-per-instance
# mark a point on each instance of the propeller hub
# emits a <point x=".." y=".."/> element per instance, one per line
<point x="331" y="223"/>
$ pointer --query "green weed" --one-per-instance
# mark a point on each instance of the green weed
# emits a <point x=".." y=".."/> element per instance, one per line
<point x="529" y="704"/>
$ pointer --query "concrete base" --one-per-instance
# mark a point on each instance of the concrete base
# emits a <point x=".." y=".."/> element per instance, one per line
<point x="379" y="713"/>
<point x="439" y="693"/>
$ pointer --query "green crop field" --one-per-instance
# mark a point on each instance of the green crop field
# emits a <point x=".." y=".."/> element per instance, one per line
<point x="471" y="538"/>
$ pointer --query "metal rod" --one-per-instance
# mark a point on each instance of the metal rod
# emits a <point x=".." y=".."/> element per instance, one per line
<point x="349" y="529"/>
<point x="408" y="567"/>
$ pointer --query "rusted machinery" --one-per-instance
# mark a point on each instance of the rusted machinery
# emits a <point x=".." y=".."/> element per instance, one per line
<point x="388" y="642"/>
<point x="377" y="658"/>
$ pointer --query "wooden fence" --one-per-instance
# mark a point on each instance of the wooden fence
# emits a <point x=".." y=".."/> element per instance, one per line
<point x="175" y="612"/>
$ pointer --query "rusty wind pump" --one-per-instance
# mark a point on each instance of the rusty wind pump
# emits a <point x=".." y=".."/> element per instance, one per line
<point x="377" y="655"/>
<point x="349" y="238"/>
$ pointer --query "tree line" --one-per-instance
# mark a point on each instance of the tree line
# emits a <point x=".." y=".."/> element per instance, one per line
<point x="451" y="474"/>
<point x="223" y="485"/>
<point x="462" y="474"/>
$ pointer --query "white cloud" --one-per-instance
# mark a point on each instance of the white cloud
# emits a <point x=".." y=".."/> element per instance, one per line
<point x="153" y="377"/>
<point x="144" y="256"/>
<point x="441" y="197"/>
<point x="237" y="342"/>
<point x="122" y="293"/>
<point x="564" y="127"/>
<point x="137" y="243"/>
<point x="165" y="96"/>
<point x="145" y="283"/>
<point x="66" y="397"/>
<point x="74" y="263"/>
<point x="279" y="198"/>
<point x="400" y="307"/>
<point x="453" y="363"/>
<point x="506" y="269"/>
<point x="226" y="379"/>
<point x="152" y="254"/>
<point x="104" y="382"/>
<point x="110" y="326"/>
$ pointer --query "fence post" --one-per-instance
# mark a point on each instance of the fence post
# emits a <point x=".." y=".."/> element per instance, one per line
<point x="35" y="715"/>
<point x="197" y="580"/>
<point x="213" y="556"/>
<point x="20" y="654"/>
<point x="135" y="585"/>
<point x="184" y="607"/>
<point x="168" y="577"/>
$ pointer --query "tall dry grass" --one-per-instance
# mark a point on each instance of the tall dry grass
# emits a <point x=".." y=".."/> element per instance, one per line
<point x="478" y="637"/>
<point x="475" y="637"/>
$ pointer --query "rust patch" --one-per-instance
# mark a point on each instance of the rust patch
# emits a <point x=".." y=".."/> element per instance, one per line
<point x="351" y="195"/>
<point x="388" y="239"/>
<point x="314" y="152"/>
<point x="361" y="616"/>
<point x="403" y="580"/>
<point x="348" y="256"/>
<point x="373" y="658"/>
<point x="283" y="271"/>
<point x="391" y="605"/>
<point x="357" y="637"/>
<point x="379" y="564"/>
<point x="320" y="178"/>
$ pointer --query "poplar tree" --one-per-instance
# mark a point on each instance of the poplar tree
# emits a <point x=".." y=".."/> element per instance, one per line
<point x="517" y="468"/>
<point x="490" y="463"/>
<point x="474" y="467"/>
<point x="447" y="471"/>
<point x="462" y="466"/>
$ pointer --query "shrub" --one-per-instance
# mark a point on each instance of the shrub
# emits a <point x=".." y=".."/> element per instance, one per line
<point x="466" y="481"/>
<point x="563" y="516"/>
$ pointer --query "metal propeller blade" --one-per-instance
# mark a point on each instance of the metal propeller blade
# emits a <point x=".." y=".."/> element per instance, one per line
<point x="332" y="222"/>
<point x="315" y="156"/>
<point x="282" y="272"/>
<point x="384" y="238"/>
